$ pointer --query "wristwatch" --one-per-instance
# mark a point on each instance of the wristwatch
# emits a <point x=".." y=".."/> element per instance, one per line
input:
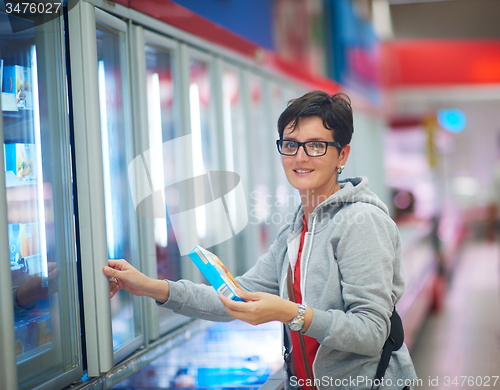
<point x="297" y="323"/>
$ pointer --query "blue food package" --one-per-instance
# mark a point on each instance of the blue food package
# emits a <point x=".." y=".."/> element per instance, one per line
<point x="216" y="273"/>
<point x="17" y="81"/>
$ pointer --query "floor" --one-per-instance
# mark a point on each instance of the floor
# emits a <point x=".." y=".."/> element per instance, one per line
<point x="457" y="348"/>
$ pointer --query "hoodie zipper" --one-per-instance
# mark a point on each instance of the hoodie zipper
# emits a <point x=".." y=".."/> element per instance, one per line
<point x="303" y="271"/>
<point x="305" y="261"/>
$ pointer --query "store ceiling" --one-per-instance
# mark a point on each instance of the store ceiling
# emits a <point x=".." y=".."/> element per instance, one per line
<point x="414" y="1"/>
<point x="447" y="19"/>
<point x="470" y="22"/>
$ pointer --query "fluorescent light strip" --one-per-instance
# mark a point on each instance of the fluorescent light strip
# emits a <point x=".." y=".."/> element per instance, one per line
<point x="156" y="153"/>
<point x="198" y="167"/>
<point x="228" y="129"/>
<point x="106" y="167"/>
<point x="39" y="168"/>
<point x="228" y="132"/>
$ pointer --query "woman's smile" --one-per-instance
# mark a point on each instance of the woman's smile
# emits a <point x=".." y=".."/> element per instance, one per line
<point x="303" y="171"/>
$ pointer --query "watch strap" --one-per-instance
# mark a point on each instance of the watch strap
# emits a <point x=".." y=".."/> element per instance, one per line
<point x="302" y="310"/>
<point x="299" y="317"/>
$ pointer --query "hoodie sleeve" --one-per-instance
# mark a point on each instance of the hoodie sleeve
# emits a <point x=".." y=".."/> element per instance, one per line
<point x="367" y="254"/>
<point x="200" y="301"/>
<point x="195" y="300"/>
<point x="265" y="275"/>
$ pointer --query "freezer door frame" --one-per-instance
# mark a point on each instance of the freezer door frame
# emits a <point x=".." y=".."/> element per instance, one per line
<point x="8" y="369"/>
<point x="110" y="21"/>
<point x="11" y="372"/>
<point x="90" y="189"/>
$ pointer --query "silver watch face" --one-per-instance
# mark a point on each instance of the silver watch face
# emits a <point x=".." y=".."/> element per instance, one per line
<point x="296" y="324"/>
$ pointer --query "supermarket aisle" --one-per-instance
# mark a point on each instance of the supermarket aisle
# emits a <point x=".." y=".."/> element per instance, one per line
<point x="459" y="348"/>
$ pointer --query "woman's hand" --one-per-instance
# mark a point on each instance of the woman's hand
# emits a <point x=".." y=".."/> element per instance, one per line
<point x="260" y="308"/>
<point x="135" y="282"/>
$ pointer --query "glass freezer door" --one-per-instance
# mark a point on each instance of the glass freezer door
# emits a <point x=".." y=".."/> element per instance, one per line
<point x="103" y="150"/>
<point x="117" y="143"/>
<point x="39" y="203"/>
<point x="163" y="126"/>
<point x="261" y="193"/>
<point x="237" y="154"/>
<point x="207" y="157"/>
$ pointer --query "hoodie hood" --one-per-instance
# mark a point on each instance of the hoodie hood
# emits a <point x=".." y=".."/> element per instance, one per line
<point x="355" y="189"/>
<point x="352" y="190"/>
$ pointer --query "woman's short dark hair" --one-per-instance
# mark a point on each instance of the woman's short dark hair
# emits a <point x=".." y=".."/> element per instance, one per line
<point x="334" y="110"/>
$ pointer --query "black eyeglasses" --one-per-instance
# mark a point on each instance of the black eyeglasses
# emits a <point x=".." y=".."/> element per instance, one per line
<point x="312" y="148"/>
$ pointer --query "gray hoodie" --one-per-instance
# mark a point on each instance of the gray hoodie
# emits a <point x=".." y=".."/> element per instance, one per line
<point x="351" y="277"/>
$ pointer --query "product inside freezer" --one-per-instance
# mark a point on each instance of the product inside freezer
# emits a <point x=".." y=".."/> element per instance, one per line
<point x="20" y="164"/>
<point x="17" y="82"/>
<point x="32" y="336"/>
<point x="23" y="244"/>
<point x="9" y="102"/>
<point x="32" y="321"/>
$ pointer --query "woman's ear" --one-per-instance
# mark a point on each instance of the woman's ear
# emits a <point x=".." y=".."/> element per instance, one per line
<point x="344" y="154"/>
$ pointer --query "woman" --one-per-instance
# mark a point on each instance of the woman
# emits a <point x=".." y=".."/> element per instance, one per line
<point x="339" y="259"/>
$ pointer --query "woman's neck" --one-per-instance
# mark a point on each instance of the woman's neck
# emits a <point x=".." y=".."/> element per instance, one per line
<point x="310" y="199"/>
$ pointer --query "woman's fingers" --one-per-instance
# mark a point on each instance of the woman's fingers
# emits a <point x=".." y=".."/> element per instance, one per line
<point x="114" y="271"/>
<point x="248" y="296"/>
<point x="108" y="271"/>
<point x="114" y="287"/>
<point x="245" y="311"/>
<point x="116" y="267"/>
<point x="53" y="273"/>
<point x="236" y="306"/>
<point x="118" y="264"/>
<point x="122" y="275"/>
<point x="259" y="308"/>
